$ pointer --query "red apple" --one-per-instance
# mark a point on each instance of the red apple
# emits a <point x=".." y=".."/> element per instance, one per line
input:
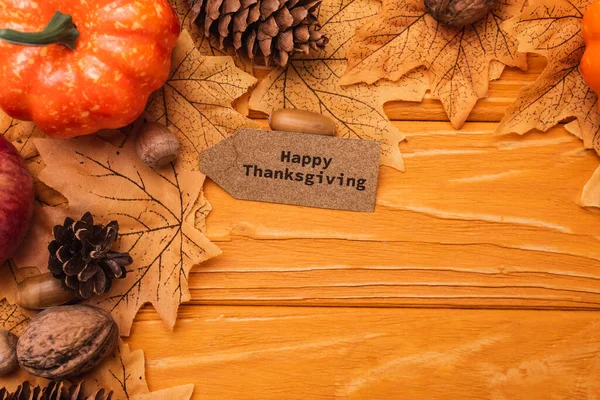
<point x="16" y="199"/>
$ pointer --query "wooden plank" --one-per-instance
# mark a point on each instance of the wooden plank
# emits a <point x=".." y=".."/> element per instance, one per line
<point x="475" y="221"/>
<point x="408" y="274"/>
<point x="502" y="93"/>
<point x="344" y="353"/>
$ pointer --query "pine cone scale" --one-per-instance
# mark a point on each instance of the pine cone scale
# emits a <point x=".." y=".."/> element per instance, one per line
<point x="100" y="282"/>
<point x="73" y="266"/>
<point x="87" y="272"/>
<point x="272" y="24"/>
<point x="284" y="19"/>
<point x="115" y="268"/>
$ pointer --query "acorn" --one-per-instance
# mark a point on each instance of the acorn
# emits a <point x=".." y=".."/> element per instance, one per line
<point x="458" y="13"/>
<point x="156" y="145"/>
<point x="301" y="121"/>
<point x="43" y="291"/>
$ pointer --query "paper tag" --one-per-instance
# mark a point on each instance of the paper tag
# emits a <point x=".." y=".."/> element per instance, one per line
<point x="296" y="168"/>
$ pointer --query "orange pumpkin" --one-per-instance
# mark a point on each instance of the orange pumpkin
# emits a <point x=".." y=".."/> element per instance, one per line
<point x="77" y="66"/>
<point x="590" y="63"/>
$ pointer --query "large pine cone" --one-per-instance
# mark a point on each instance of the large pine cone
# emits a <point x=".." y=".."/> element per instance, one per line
<point x="81" y="256"/>
<point x="275" y="29"/>
<point x="54" y="391"/>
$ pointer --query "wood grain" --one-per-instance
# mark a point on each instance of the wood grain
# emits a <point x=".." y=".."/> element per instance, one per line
<point x="476" y="237"/>
<point x="330" y="353"/>
<point x="475" y="221"/>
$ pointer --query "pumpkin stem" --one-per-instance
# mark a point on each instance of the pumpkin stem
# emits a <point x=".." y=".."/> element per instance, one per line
<point x="60" y="30"/>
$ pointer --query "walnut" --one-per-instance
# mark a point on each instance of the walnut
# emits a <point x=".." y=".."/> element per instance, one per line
<point x="64" y="342"/>
<point x="458" y="12"/>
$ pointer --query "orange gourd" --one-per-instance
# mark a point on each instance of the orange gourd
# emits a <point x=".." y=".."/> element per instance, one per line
<point x="77" y="66"/>
<point x="590" y="63"/>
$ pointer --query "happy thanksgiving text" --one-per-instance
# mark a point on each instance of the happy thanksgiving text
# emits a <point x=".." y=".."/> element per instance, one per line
<point x="309" y="179"/>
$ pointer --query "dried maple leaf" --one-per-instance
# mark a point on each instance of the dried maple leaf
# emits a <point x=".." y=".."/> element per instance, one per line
<point x="8" y="281"/>
<point x="155" y="212"/>
<point x="552" y="28"/>
<point x="404" y="36"/>
<point x="124" y="374"/>
<point x="311" y="83"/>
<point x="10" y="276"/>
<point x="196" y="102"/>
<point x="12" y="317"/>
<point x="44" y="218"/>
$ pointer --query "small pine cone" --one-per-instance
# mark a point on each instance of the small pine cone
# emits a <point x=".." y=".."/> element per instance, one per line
<point x="274" y="29"/>
<point x="81" y="256"/>
<point x="54" y="391"/>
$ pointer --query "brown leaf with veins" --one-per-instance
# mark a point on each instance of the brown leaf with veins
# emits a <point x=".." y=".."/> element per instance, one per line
<point x="10" y="276"/>
<point x="196" y="102"/>
<point x="124" y="373"/>
<point x="44" y="219"/>
<point x="12" y="318"/>
<point x="403" y="36"/>
<point x="552" y="28"/>
<point x="155" y="210"/>
<point x="312" y="83"/>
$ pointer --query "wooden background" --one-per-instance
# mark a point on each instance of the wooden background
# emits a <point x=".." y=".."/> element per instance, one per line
<point x="478" y="277"/>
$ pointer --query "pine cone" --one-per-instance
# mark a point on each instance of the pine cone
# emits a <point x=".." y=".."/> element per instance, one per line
<point x="54" y="391"/>
<point x="275" y="29"/>
<point x="81" y="256"/>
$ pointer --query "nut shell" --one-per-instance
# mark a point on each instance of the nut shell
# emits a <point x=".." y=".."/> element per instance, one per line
<point x="156" y="145"/>
<point x="64" y="342"/>
<point x="458" y="13"/>
<point x="8" y="354"/>
<point x="301" y="121"/>
<point x="43" y="291"/>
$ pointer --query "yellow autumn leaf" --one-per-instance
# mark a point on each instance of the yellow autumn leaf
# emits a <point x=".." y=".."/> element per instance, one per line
<point x="552" y="28"/>
<point x="403" y="36"/>
<point x="156" y="214"/>
<point x="10" y="276"/>
<point x="12" y="318"/>
<point x="312" y="83"/>
<point x="124" y="373"/>
<point x="196" y="102"/>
